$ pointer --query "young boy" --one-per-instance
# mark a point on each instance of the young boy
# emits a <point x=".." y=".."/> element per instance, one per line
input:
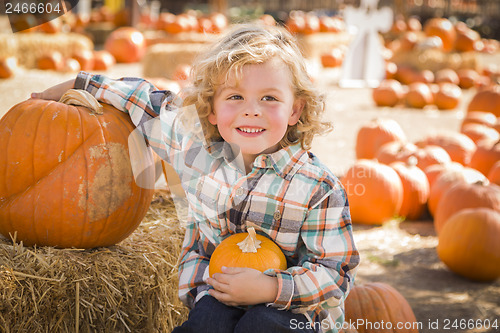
<point x="241" y="154"/>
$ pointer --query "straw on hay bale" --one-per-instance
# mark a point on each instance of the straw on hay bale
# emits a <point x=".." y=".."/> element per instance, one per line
<point x="129" y="287"/>
<point x="28" y="47"/>
<point x="314" y="45"/>
<point x="161" y="60"/>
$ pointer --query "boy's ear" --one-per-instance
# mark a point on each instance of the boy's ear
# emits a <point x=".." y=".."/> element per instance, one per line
<point x="212" y="119"/>
<point x="298" y="107"/>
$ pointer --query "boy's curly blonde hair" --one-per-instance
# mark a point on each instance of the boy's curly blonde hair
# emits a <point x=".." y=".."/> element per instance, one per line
<point x="254" y="44"/>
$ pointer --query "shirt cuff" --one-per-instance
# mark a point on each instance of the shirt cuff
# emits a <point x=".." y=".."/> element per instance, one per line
<point x="82" y="80"/>
<point x="286" y="286"/>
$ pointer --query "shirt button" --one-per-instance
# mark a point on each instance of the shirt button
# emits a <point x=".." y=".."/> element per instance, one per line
<point x="277" y="215"/>
<point x="239" y="191"/>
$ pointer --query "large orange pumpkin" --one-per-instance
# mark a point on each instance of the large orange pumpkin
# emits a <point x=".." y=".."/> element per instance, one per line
<point x="464" y="195"/>
<point x="469" y="246"/>
<point x="65" y="176"/>
<point x="487" y="100"/>
<point x="374" y="191"/>
<point x="247" y="249"/>
<point x="371" y="304"/>
<point x="126" y="44"/>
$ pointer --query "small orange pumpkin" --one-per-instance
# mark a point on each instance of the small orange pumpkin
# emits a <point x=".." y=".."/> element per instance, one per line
<point x="442" y="28"/>
<point x="8" y="67"/>
<point x="66" y="178"/>
<point x="126" y="44"/>
<point x="419" y="95"/>
<point x="487" y="99"/>
<point x="103" y="60"/>
<point x="247" y="249"/>
<point x="448" y="96"/>
<point x="469" y="246"/>
<point x="388" y="93"/>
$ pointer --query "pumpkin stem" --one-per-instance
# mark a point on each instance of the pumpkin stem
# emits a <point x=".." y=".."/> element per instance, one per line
<point x="83" y="98"/>
<point x="251" y="243"/>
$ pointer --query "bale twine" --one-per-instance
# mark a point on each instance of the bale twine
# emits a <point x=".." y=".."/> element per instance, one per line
<point x="161" y="60"/>
<point x="28" y="47"/>
<point x="129" y="287"/>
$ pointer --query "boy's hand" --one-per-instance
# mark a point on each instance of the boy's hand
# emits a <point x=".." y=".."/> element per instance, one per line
<point x="55" y="92"/>
<point x="243" y="286"/>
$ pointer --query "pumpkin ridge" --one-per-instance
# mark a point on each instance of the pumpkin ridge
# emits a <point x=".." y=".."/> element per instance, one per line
<point x="42" y="111"/>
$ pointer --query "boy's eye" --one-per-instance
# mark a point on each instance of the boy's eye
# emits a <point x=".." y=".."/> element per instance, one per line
<point x="235" y="97"/>
<point x="269" y="98"/>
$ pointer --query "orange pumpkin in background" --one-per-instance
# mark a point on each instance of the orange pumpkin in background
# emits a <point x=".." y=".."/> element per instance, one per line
<point x="8" y="67"/>
<point x="466" y="195"/>
<point x="487" y="100"/>
<point x="448" y="96"/>
<point x="103" y="60"/>
<point x="52" y="60"/>
<point x="374" y="191"/>
<point x="378" y="302"/>
<point x="126" y="44"/>
<point x="247" y="249"/>
<point x="65" y="175"/>
<point x="415" y="188"/>
<point x="85" y="58"/>
<point x="388" y="93"/>
<point x="469" y="246"/>
<point x="374" y="134"/>
<point x="442" y="28"/>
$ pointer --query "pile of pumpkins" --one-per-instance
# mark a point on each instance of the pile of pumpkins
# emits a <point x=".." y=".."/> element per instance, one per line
<point x="454" y="176"/>
<point x="418" y="86"/>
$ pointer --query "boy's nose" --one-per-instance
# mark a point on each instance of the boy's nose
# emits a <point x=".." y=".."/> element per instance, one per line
<point x="253" y="111"/>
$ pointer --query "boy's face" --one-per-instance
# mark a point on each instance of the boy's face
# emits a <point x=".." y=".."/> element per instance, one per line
<point x="255" y="111"/>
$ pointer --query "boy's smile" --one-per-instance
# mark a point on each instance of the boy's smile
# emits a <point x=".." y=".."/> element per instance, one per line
<point x="255" y="110"/>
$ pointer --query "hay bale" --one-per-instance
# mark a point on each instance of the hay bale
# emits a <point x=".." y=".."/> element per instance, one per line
<point x="161" y="60"/>
<point x="28" y="47"/>
<point x="314" y="45"/>
<point x="434" y="59"/>
<point x="129" y="287"/>
<point x="154" y="37"/>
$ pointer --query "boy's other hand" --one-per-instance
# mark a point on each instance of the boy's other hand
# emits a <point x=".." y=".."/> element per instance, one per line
<point x="243" y="286"/>
<point x="55" y="92"/>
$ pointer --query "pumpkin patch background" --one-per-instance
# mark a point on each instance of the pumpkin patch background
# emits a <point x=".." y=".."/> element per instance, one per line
<point x="400" y="253"/>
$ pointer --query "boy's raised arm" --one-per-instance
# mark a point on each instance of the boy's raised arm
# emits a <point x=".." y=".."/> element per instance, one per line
<point x="54" y="92"/>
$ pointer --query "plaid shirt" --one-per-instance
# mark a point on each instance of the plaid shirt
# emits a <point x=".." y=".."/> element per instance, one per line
<point x="288" y="196"/>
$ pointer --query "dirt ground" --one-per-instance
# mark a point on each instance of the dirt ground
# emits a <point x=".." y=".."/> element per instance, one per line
<point x="401" y="254"/>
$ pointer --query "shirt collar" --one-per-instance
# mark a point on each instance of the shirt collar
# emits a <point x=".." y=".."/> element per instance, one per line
<point x="285" y="161"/>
